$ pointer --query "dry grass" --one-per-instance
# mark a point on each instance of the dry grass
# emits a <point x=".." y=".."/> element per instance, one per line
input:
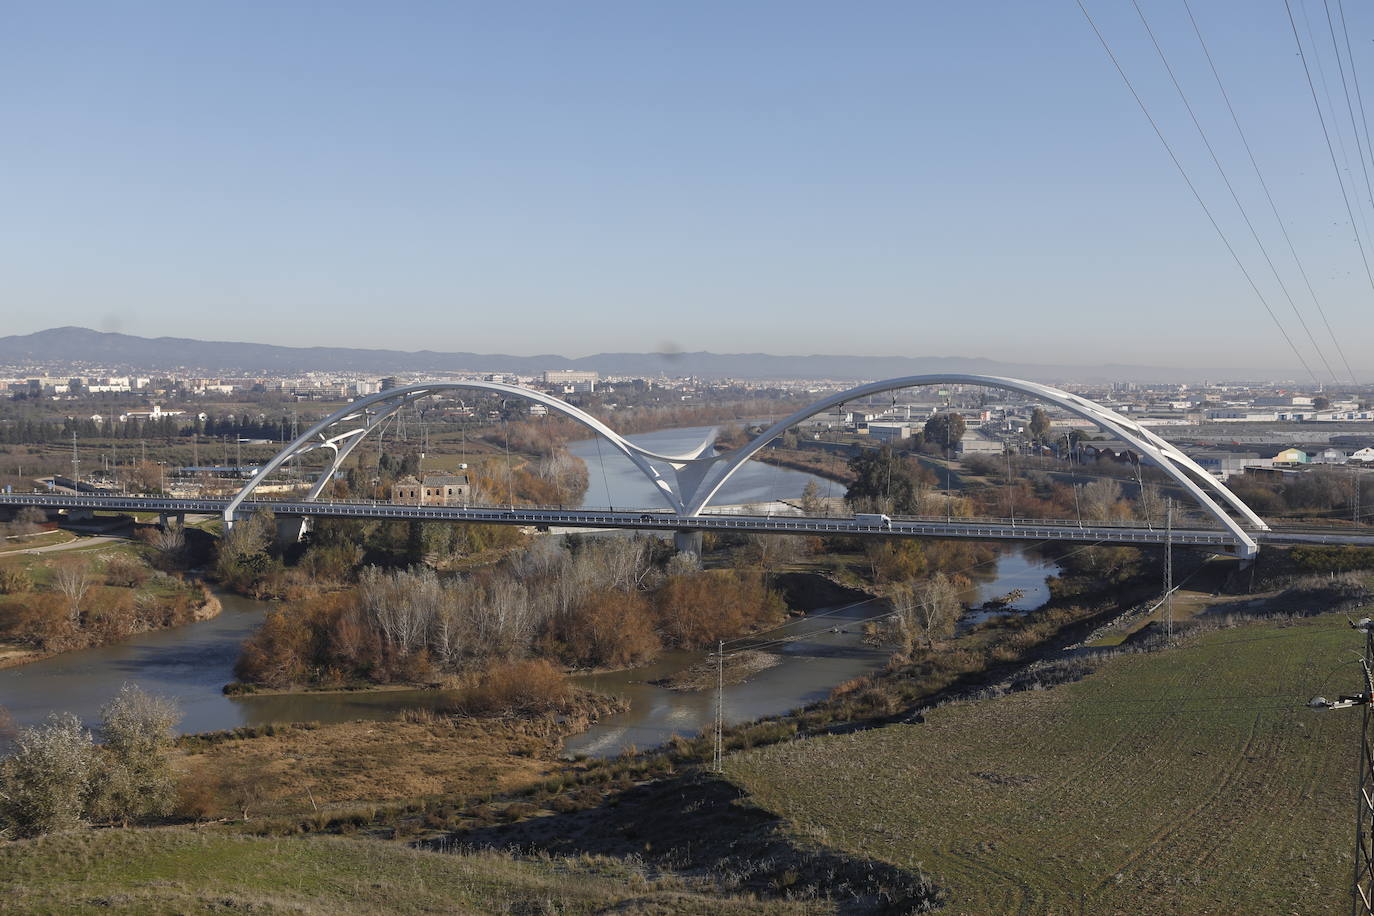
<point x="344" y="765"/>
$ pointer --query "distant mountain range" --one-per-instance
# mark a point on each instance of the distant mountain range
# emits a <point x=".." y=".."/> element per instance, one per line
<point x="61" y="349"/>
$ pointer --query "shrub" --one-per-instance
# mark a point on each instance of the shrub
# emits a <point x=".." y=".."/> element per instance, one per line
<point x="14" y="581"/>
<point x="126" y="572"/>
<point x="136" y="780"/>
<point x="45" y="784"/>
<point x="529" y="686"/>
<point x="610" y="627"/>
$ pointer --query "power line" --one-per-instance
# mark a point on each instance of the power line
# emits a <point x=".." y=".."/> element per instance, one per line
<point x="1355" y="78"/>
<point x="1330" y="149"/>
<point x="1196" y="195"/>
<point x="1283" y="228"/>
<point x="1349" y="107"/>
<point x="1226" y="180"/>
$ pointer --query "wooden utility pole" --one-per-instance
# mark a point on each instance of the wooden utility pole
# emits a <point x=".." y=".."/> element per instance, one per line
<point x="718" y="759"/>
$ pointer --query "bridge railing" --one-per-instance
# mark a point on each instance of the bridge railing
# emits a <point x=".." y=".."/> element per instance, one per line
<point x="192" y="503"/>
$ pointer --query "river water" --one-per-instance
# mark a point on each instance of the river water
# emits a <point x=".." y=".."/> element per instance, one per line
<point x="614" y="480"/>
<point x="192" y="663"/>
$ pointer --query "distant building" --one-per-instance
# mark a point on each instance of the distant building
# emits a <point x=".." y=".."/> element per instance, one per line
<point x="433" y="490"/>
<point x="1329" y="456"/>
<point x="1291" y="456"/>
<point x="886" y="431"/>
<point x="571" y="381"/>
<point x="1224" y="463"/>
<point x="388" y="383"/>
<point x="977" y="442"/>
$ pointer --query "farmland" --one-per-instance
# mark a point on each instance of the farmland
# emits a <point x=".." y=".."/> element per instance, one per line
<point x="1187" y="781"/>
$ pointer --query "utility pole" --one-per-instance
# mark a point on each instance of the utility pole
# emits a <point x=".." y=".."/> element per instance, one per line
<point x="718" y="759"/>
<point x="1362" y="883"/>
<point x="1169" y="569"/>
<point x="1355" y="513"/>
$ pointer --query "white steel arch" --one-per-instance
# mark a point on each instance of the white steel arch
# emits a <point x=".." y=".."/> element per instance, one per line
<point x="700" y="474"/>
<point x="389" y="401"/>
<point x="1170" y="460"/>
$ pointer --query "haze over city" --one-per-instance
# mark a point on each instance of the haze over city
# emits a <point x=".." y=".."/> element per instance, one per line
<point x="958" y="180"/>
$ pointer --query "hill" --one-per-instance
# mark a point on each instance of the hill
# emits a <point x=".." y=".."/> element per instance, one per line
<point x="1189" y="781"/>
<point x="72" y="347"/>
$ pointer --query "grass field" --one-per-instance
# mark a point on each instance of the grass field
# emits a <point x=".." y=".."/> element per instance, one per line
<point x="178" y="871"/>
<point x="1185" y="782"/>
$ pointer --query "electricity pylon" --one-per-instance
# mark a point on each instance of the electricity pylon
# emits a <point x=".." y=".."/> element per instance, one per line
<point x="1362" y="885"/>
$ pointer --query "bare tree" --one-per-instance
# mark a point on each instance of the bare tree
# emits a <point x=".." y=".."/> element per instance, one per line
<point x="170" y="542"/>
<point x="28" y="520"/>
<point x="922" y="612"/>
<point x="1101" y="499"/>
<point x="73" y="580"/>
<point x="1150" y="505"/>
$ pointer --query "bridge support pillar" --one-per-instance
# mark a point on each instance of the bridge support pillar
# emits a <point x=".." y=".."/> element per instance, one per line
<point x="687" y="542"/>
<point x="291" y="530"/>
<point x="166" y="520"/>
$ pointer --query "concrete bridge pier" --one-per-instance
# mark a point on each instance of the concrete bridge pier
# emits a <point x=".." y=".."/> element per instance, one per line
<point x="291" y="530"/>
<point x="166" y="520"/>
<point x="687" y="542"/>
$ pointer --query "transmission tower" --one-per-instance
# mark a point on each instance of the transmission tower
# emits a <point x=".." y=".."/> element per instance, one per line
<point x="1362" y="884"/>
<point x="76" y="464"/>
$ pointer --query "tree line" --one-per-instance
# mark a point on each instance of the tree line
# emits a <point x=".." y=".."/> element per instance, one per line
<point x="586" y="603"/>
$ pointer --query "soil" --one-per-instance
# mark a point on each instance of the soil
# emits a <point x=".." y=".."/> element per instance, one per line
<point x="701" y="824"/>
<point x="739" y="667"/>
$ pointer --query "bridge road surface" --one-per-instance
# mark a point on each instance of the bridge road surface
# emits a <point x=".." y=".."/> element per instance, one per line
<point x="667" y="521"/>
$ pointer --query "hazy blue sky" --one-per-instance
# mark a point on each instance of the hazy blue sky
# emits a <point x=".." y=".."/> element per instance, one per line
<point x="914" y="178"/>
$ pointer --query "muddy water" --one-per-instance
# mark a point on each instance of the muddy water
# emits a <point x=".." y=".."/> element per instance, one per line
<point x="191" y="664"/>
<point x="817" y="653"/>
<point x="820" y="652"/>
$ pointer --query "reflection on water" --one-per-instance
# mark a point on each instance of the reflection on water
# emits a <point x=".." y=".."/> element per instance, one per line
<point x="192" y="663"/>
<point x="613" y="480"/>
<point x="820" y="655"/>
<point x="1015" y="570"/>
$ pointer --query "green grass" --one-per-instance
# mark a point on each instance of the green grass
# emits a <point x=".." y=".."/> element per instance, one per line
<point x="46" y="539"/>
<point x="1186" y="782"/>
<point x="180" y="871"/>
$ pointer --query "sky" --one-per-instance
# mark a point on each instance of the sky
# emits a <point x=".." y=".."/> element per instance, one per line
<point x="906" y="178"/>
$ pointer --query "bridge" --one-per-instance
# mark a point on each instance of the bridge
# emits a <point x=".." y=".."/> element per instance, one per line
<point x="687" y="483"/>
<point x="653" y="519"/>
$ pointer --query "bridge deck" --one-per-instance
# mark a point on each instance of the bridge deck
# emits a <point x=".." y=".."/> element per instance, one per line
<point x="660" y="520"/>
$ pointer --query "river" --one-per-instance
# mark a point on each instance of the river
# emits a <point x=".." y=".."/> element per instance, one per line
<point x="192" y="663"/>
<point x="613" y="480"/>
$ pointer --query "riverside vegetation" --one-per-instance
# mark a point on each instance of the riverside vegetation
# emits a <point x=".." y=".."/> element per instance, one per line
<point x="80" y="598"/>
<point x="499" y="625"/>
